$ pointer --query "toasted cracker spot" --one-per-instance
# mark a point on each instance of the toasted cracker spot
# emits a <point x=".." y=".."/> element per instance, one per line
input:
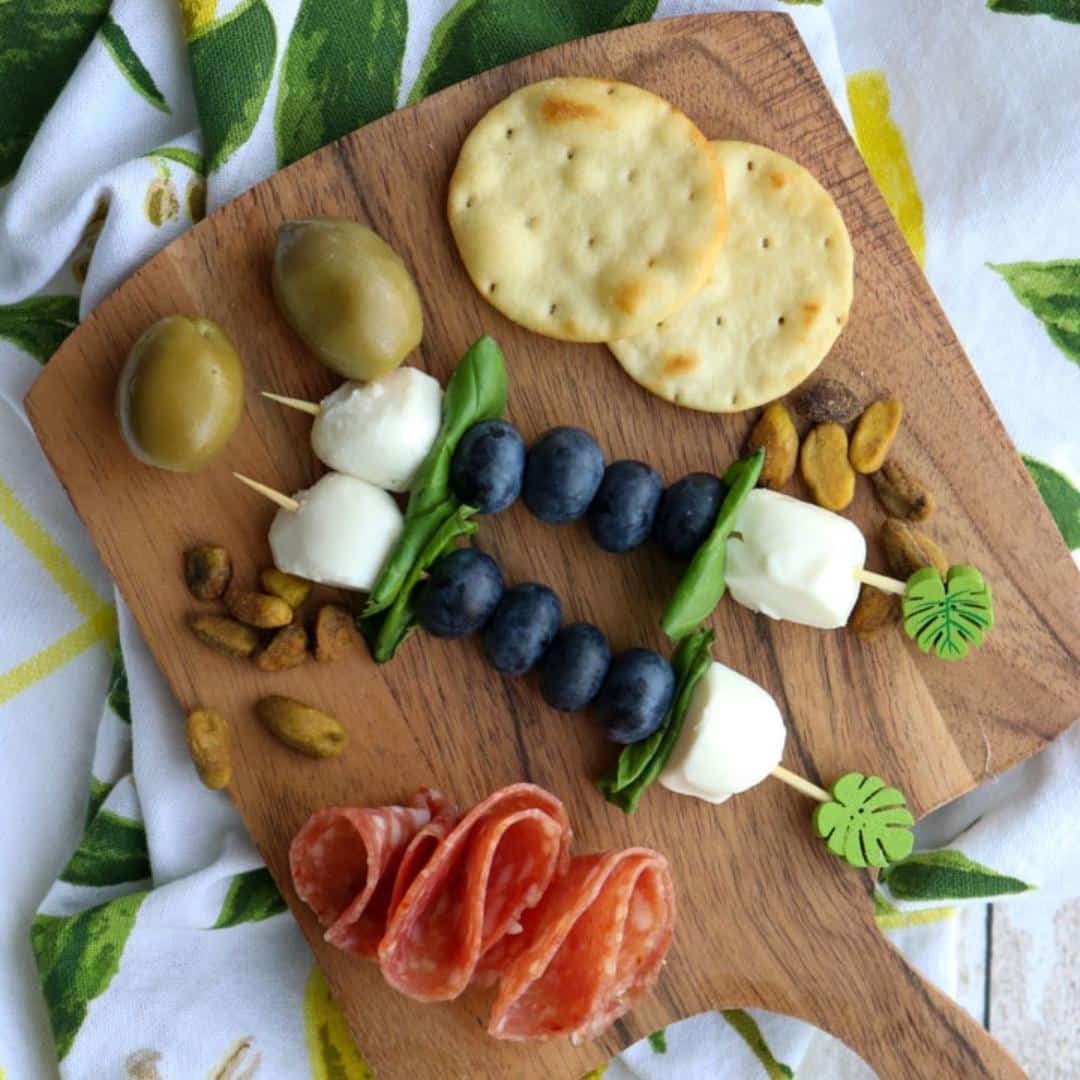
<point x="561" y="110"/>
<point x="628" y="295"/>
<point x="680" y="364"/>
<point x="761" y="324"/>
<point x="554" y="213"/>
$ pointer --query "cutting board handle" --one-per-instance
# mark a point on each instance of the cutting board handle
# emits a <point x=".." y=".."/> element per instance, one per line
<point x="901" y="1025"/>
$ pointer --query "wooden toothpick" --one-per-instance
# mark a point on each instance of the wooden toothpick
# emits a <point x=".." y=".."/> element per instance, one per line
<point x="308" y="407"/>
<point x="284" y="501"/>
<point x="880" y="581"/>
<point x="800" y="784"/>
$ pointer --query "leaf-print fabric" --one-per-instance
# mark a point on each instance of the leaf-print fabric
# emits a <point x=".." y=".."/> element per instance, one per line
<point x="77" y="957"/>
<point x="111" y="177"/>
<point x="342" y="69"/>
<point x="232" y="60"/>
<point x="142" y="82"/>
<point x="1051" y="291"/>
<point x="1065" y="10"/>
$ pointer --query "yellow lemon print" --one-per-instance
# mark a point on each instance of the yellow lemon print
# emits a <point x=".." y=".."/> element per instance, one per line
<point x="197" y="14"/>
<point x="332" y="1053"/>
<point x="882" y="147"/>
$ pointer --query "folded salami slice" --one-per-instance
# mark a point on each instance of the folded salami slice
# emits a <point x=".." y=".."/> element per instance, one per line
<point x="495" y="864"/>
<point x="594" y="943"/>
<point x="344" y="864"/>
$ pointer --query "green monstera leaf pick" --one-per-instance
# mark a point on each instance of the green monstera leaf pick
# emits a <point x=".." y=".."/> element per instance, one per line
<point x="866" y="823"/>
<point x="947" y="615"/>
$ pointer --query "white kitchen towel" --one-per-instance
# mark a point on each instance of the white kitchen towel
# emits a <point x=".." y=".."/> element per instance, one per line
<point x="161" y="948"/>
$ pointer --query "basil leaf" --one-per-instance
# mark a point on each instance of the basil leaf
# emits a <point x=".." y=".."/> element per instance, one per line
<point x="401" y="618"/>
<point x="642" y="762"/>
<point x="702" y="584"/>
<point x="476" y="391"/>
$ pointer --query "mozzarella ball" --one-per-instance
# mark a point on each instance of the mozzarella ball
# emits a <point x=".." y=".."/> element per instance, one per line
<point x="793" y="560"/>
<point x="731" y="739"/>
<point x="380" y="431"/>
<point x="342" y="534"/>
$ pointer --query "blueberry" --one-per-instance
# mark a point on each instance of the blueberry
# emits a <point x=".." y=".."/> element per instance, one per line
<point x="635" y="696"/>
<point x="522" y="628"/>
<point x="573" y="669"/>
<point x="488" y="466"/>
<point x="562" y="472"/>
<point x="622" y="511"/>
<point x="687" y="511"/>
<point x="462" y="590"/>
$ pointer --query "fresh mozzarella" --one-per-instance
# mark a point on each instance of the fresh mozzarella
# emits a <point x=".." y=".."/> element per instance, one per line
<point x="380" y="431"/>
<point x="341" y="535"/>
<point x="792" y="560"/>
<point x="731" y="739"/>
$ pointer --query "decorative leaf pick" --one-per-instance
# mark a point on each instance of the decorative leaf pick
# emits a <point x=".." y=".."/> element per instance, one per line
<point x="947" y="615"/>
<point x="866" y="823"/>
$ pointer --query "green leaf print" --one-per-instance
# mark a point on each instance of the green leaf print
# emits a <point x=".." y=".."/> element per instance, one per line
<point x="132" y="68"/>
<point x="117" y="696"/>
<point x="1062" y="499"/>
<point x="232" y="62"/>
<point x="1063" y="10"/>
<point x="816" y="3"/>
<point x="113" y="850"/>
<point x="182" y="156"/>
<point x="658" y="1041"/>
<point x="1051" y="291"/>
<point x="39" y="325"/>
<point x="332" y="1053"/>
<point x="77" y="957"/>
<point x="947" y="875"/>
<point x="746" y="1026"/>
<point x="475" y="35"/>
<point x="99" y="792"/>
<point x="252" y="897"/>
<point x="342" y="69"/>
<point x="40" y="44"/>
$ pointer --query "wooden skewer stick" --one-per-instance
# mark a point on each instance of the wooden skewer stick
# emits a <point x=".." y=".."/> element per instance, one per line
<point x="284" y="501"/>
<point x="800" y="784"/>
<point x="880" y="581"/>
<point x="294" y="403"/>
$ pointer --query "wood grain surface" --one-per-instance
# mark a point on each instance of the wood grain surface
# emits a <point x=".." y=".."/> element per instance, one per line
<point x="766" y="917"/>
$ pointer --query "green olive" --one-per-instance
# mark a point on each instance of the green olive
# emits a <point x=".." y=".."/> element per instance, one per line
<point x="348" y="295"/>
<point x="181" y="393"/>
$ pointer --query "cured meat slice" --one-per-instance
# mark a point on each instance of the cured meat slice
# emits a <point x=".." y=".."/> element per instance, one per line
<point x="344" y="863"/>
<point x="595" y="942"/>
<point x="422" y="846"/>
<point x="496" y="863"/>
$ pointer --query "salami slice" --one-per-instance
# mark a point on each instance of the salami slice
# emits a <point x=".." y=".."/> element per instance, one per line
<point x="344" y="863"/>
<point x="496" y="863"/>
<point x="595" y="942"/>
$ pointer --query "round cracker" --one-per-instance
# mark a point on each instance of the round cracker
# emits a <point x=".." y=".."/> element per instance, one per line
<point x="587" y="209"/>
<point x="777" y="298"/>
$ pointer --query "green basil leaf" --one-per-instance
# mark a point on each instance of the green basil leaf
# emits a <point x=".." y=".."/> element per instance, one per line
<point x="642" y="762"/>
<point x="702" y="584"/>
<point x="400" y="618"/>
<point x="476" y="391"/>
<point x="342" y="69"/>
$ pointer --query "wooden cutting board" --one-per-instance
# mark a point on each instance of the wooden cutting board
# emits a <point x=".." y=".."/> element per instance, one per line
<point x="766" y="917"/>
